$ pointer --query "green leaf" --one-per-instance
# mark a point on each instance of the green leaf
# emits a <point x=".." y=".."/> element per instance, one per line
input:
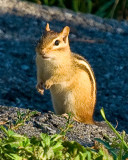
<point x="75" y="5"/>
<point x="57" y="146"/>
<point x="103" y="8"/>
<point x="45" y="139"/>
<point x="56" y="137"/>
<point x="106" y="144"/>
<point x="89" y="2"/>
<point x="62" y="4"/>
<point x="46" y="2"/>
<point x="15" y="157"/>
<point x="7" y="132"/>
<point x="102" y="113"/>
<point x="114" y="130"/>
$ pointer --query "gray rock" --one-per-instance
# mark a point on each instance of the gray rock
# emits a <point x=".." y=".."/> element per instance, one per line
<point x="52" y="124"/>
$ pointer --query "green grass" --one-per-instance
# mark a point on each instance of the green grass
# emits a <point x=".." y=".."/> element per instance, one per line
<point x="103" y="8"/>
<point x="14" y="146"/>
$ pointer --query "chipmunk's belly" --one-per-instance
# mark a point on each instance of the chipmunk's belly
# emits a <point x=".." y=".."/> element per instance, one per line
<point x="63" y="99"/>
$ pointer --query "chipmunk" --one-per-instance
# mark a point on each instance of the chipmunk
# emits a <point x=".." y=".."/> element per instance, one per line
<point x="69" y="76"/>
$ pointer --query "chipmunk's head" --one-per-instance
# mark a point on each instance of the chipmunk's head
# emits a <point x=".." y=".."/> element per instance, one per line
<point x="53" y="44"/>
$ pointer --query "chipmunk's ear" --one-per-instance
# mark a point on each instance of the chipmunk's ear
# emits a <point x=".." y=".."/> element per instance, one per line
<point x="64" y="33"/>
<point x="47" y="27"/>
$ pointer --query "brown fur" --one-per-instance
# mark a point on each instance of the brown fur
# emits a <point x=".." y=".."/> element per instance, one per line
<point x="68" y="76"/>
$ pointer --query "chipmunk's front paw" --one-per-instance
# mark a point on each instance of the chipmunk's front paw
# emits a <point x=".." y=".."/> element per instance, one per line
<point x="48" y="84"/>
<point x="40" y="88"/>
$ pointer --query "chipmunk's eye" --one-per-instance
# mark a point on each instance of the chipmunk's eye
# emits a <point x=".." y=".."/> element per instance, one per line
<point x="57" y="42"/>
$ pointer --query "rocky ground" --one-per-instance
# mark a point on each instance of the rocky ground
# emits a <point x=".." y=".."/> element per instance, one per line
<point x="103" y="42"/>
<point x="52" y="124"/>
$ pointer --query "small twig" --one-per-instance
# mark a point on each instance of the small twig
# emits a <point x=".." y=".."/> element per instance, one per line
<point x="124" y="9"/>
<point x="3" y="122"/>
<point x="116" y="124"/>
<point x="22" y="120"/>
<point x="114" y="7"/>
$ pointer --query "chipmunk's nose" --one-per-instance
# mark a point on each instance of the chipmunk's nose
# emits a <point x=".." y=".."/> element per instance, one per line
<point x="44" y="51"/>
<point x="44" y="54"/>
